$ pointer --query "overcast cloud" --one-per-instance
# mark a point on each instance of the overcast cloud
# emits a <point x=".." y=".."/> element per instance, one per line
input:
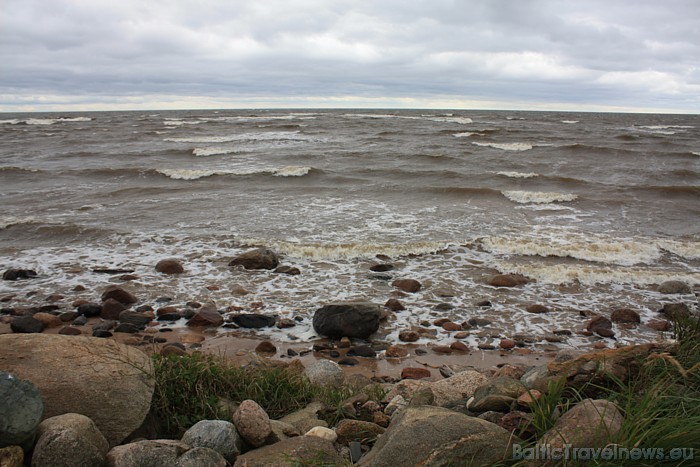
<point x="518" y="54"/>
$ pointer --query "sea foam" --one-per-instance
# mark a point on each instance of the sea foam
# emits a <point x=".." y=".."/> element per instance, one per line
<point x="538" y="197"/>
<point x="506" y="146"/>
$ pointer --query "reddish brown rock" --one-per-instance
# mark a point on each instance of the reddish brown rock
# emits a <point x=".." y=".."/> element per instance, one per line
<point x="459" y="346"/>
<point x="252" y="423"/>
<point x="119" y="294"/>
<point x="266" y="347"/>
<point x="442" y="349"/>
<point x="260" y="258"/>
<point x="394" y="305"/>
<point x="396" y="351"/>
<point x="440" y="321"/>
<point x="70" y="331"/>
<point x="289" y="270"/>
<point x="600" y="345"/>
<point x="659" y="325"/>
<point x="415" y="373"/>
<point x="407" y="285"/>
<point x="528" y="398"/>
<point x="48" y="320"/>
<point x="208" y="315"/>
<point x="409" y="336"/>
<point x="508" y="280"/>
<point x="450" y="326"/>
<point x="461" y="335"/>
<point x="625" y="315"/>
<point x="536" y="308"/>
<point x="507" y="344"/>
<point x="111" y="309"/>
<point x="601" y="326"/>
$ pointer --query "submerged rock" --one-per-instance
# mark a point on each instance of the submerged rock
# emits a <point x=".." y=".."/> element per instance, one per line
<point x="347" y="319"/>
<point x="260" y="258"/>
<point x="170" y="266"/>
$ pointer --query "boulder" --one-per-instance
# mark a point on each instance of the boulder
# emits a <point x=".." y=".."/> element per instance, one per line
<point x="48" y="320"/>
<point x="394" y="304"/>
<point x="458" y="387"/>
<point x="508" y="280"/>
<point x="219" y="435"/>
<point x="21" y="409"/>
<point x="625" y="315"/>
<point x="201" y="457"/>
<point x="147" y="453"/>
<point x="90" y="310"/>
<point x="407" y="285"/>
<point x="415" y="373"/>
<point x="590" y="424"/>
<point x="110" y="309"/>
<point x="260" y="258"/>
<point x="601" y="326"/>
<point x="12" y="456"/>
<point x="120" y="294"/>
<point x="674" y="287"/>
<point x="323" y="433"/>
<point x="305" y="419"/>
<point x="325" y="373"/>
<point x="350" y="319"/>
<point x="357" y="430"/>
<point x="26" y="325"/>
<point x="13" y="274"/>
<point x="497" y="395"/>
<point x="69" y="440"/>
<point x="134" y="317"/>
<point x="109" y="382"/>
<point x="252" y="423"/>
<point x="207" y="315"/>
<point x="676" y="311"/>
<point x="169" y="266"/>
<point x="427" y="435"/>
<point x="301" y="450"/>
<point x="254" y="321"/>
<point x="537" y="309"/>
<point x="289" y="270"/>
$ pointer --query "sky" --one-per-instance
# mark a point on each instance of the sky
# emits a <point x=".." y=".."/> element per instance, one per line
<point x="578" y="55"/>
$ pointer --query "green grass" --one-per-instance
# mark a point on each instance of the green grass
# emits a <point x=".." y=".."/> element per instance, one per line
<point x="192" y="388"/>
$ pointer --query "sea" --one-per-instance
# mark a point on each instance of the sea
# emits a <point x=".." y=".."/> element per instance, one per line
<point x="596" y="209"/>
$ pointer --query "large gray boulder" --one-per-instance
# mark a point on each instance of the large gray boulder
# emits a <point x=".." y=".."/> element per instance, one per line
<point x="21" y="410"/>
<point x="147" y="453"/>
<point x="347" y="319"/>
<point x="457" y="387"/>
<point x="434" y="436"/>
<point x="302" y="450"/>
<point x="104" y="380"/>
<point x="590" y="424"/>
<point x="219" y="435"/>
<point x="325" y="373"/>
<point x="69" y="440"/>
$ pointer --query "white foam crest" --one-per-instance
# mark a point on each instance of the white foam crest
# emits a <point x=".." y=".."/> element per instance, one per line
<point x="506" y="146"/>
<point x="51" y="121"/>
<point x="213" y="151"/>
<point x="194" y="174"/>
<point x="592" y="275"/>
<point x="11" y="121"/>
<point x="665" y="127"/>
<point x="9" y="221"/>
<point x="589" y="248"/>
<point x="570" y="122"/>
<point x="262" y="136"/>
<point x="463" y="135"/>
<point x="180" y="122"/>
<point x="685" y="249"/>
<point x="696" y="153"/>
<point x="538" y="197"/>
<point x="344" y="251"/>
<point x="518" y="174"/>
<point x="431" y="118"/>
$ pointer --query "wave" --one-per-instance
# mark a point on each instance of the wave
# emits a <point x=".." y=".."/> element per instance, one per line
<point x="344" y="251"/>
<point x="665" y="127"/>
<point x="10" y="168"/>
<point x="52" y="121"/>
<point x="595" y="248"/>
<point x="518" y="174"/>
<point x="695" y="153"/>
<point x="570" y="122"/>
<point x="260" y="136"/>
<point x="214" y="151"/>
<point x="194" y="174"/>
<point x="11" y="221"/>
<point x="526" y="197"/>
<point x="506" y="146"/>
<point x="462" y="191"/>
<point x="463" y="134"/>
<point x="673" y="190"/>
<point x="431" y="118"/>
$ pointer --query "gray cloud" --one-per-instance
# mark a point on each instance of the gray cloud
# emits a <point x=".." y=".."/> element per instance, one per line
<point x="537" y="53"/>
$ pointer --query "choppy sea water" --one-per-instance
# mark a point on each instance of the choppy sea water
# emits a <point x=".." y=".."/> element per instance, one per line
<point x="597" y="209"/>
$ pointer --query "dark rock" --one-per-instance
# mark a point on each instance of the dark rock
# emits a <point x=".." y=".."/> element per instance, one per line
<point x="285" y="323"/>
<point x="537" y="309"/>
<point x="105" y="326"/>
<point x="383" y="267"/>
<point x="508" y="280"/>
<point x="135" y="318"/>
<point x="70" y="331"/>
<point x="169" y="266"/>
<point x="443" y="307"/>
<point x="112" y="271"/>
<point x="659" y="325"/>
<point x="292" y="352"/>
<point x="348" y="361"/>
<point x="394" y="305"/>
<point x="484" y="304"/>
<point x="357" y="430"/>
<point x="128" y="328"/>
<point x="254" y="321"/>
<point x="625" y="315"/>
<point x="119" y="294"/>
<point x="68" y="316"/>
<point x="26" y="324"/>
<point x="601" y="326"/>
<point x="144" y="308"/>
<point x="355" y="451"/>
<point x="477" y="322"/>
<point x="90" y="310"/>
<point x="459" y="346"/>
<point x="407" y="285"/>
<point x="102" y="334"/>
<point x="111" y="309"/>
<point x="676" y="311"/>
<point x="16" y="274"/>
<point x="674" y="287"/>
<point x="169" y="317"/>
<point x="219" y="435"/>
<point x="260" y="258"/>
<point x="289" y="270"/>
<point x="361" y="351"/>
<point x="347" y="319"/>
<point x="80" y="321"/>
<point x="21" y="409"/>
